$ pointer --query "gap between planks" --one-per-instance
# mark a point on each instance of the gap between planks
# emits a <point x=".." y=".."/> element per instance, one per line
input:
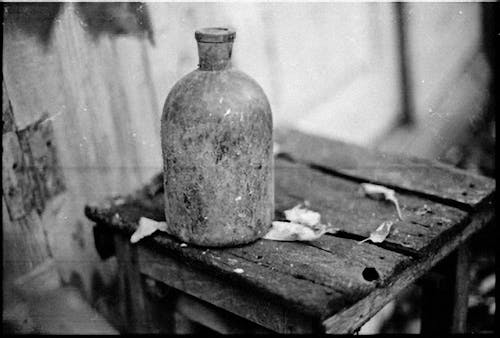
<point x="360" y="179"/>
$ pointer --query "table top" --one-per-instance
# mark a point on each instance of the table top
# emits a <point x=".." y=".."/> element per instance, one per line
<point x="333" y="283"/>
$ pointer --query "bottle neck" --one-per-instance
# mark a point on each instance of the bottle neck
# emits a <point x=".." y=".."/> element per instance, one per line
<point x="214" y="56"/>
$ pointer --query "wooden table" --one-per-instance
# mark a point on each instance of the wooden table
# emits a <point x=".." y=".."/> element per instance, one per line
<point x="333" y="284"/>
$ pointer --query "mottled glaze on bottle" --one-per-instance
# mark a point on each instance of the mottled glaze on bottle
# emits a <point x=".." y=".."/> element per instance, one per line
<point x="216" y="131"/>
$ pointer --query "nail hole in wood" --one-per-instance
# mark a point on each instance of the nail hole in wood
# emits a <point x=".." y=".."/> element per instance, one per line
<point x="439" y="223"/>
<point x="472" y="185"/>
<point x="382" y="257"/>
<point x="14" y="166"/>
<point x="49" y="143"/>
<point x="464" y="193"/>
<point x="259" y="257"/>
<point x="370" y="274"/>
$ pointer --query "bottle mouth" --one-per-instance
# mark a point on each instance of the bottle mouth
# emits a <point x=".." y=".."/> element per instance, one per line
<point x="215" y="34"/>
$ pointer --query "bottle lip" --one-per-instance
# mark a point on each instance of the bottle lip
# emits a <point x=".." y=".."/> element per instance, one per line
<point x="215" y="34"/>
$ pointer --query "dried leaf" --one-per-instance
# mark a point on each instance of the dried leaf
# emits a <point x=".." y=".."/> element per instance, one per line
<point x="147" y="227"/>
<point x="380" y="234"/>
<point x="301" y="215"/>
<point x="290" y="231"/>
<point x="379" y="192"/>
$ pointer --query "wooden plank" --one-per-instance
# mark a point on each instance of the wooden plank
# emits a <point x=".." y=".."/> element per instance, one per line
<point x="214" y="318"/>
<point x="231" y="295"/>
<point x="24" y="244"/>
<point x="342" y="204"/>
<point x="427" y="178"/>
<point x="318" y="262"/>
<point x="38" y="140"/>
<point x="300" y="294"/>
<point x="18" y="182"/>
<point x="340" y="265"/>
<point x="350" y="319"/>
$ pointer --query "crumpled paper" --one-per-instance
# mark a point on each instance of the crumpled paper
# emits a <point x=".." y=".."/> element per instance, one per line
<point x="304" y="225"/>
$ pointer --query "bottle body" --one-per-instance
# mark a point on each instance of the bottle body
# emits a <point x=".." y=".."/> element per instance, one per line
<point x="217" y="142"/>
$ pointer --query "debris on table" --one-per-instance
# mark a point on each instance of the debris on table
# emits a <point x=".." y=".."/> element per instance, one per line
<point x="304" y="225"/>
<point x="380" y="234"/>
<point x="238" y="270"/>
<point x="380" y="192"/>
<point x="290" y="231"/>
<point x="147" y="227"/>
<point x="301" y="215"/>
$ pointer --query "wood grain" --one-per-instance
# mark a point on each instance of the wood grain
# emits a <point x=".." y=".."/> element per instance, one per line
<point x="39" y="150"/>
<point x="24" y="244"/>
<point x="231" y="295"/>
<point x="18" y="181"/>
<point x="101" y="114"/>
<point x="214" y="318"/>
<point x="342" y="203"/>
<point x="350" y="319"/>
<point x="427" y="178"/>
<point x="333" y="269"/>
<point x="336" y="266"/>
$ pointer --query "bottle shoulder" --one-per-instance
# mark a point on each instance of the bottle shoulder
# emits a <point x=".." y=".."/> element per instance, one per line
<point x="230" y="85"/>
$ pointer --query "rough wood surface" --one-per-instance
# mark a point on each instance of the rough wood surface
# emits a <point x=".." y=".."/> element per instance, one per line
<point x="18" y="181"/>
<point x="350" y="319"/>
<point x="334" y="277"/>
<point x="214" y="318"/>
<point x="24" y="244"/>
<point x="342" y="204"/>
<point x="428" y="178"/>
<point x="336" y="270"/>
<point x="347" y="269"/>
<point x="236" y="297"/>
<point x="39" y="142"/>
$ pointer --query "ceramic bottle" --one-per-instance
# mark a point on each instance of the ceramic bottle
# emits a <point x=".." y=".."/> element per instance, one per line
<point x="216" y="131"/>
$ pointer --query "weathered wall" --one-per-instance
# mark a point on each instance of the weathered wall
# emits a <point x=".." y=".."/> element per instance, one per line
<point x="330" y="69"/>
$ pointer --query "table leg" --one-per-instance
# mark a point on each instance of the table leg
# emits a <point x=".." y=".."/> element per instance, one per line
<point x="445" y="294"/>
<point x="459" y="322"/>
<point x="135" y="309"/>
